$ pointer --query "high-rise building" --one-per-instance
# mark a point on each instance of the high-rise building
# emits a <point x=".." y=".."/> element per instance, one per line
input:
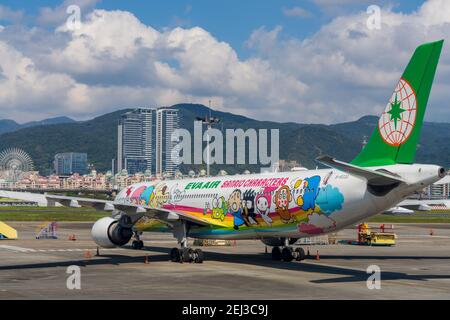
<point x="167" y="122"/>
<point x="440" y="189"/>
<point x="136" y="141"/>
<point x="70" y="162"/>
<point x="144" y="141"/>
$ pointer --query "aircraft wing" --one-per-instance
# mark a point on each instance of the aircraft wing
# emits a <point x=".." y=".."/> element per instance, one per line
<point x="373" y="177"/>
<point x="134" y="211"/>
<point x="76" y="202"/>
<point x="131" y="209"/>
<point x="25" y="196"/>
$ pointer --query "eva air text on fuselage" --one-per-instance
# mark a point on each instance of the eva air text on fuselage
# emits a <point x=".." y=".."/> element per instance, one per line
<point x="202" y="185"/>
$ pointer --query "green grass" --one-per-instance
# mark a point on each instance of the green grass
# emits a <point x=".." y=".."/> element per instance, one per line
<point x="418" y="217"/>
<point x="50" y="214"/>
<point x="87" y="214"/>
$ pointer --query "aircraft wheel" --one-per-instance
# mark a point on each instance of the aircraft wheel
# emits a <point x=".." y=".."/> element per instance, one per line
<point x="187" y="255"/>
<point x="135" y="244"/>
<point x="199" y="256"/>
<point x="175" y="255"/>
<point x="276" y="253"/>
<point x="287" y="254"/>
<point x="300" y="254"/>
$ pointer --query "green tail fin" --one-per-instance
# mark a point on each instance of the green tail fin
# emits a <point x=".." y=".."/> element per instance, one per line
<point x="395" y="138"/>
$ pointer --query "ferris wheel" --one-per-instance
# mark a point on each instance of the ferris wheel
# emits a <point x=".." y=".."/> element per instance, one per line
<point x="14" y="162"/>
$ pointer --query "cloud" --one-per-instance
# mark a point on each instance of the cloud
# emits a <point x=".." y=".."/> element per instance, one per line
<point x="296" y="12"/>
<point x="56" y="15"/>
<point x="350" y="70"/>
<point x="335" y="7"/>
<point x="317" y="224"/>
<point x="339" y="73"/>
<point x="329" y="199"/>
<point x="7" y="14"/>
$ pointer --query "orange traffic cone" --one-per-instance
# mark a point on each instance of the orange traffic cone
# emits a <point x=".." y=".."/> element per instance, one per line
<point x="88" y="254"/>
<point x="72" y="237"/>
<point x="317" y="255"/>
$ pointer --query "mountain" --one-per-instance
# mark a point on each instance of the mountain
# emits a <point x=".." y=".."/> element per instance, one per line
<point x="7" y="125"/>
<point x="96" y="137"/>
<point x="56" y="120"/>
<point x="301" y="142"/>
<point x="433" y="146"/>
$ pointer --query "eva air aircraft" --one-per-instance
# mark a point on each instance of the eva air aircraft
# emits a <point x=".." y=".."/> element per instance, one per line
<point x="280" y="208"/>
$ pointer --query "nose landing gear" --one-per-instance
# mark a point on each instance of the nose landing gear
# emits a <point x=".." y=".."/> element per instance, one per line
<point x="137" y="244"/>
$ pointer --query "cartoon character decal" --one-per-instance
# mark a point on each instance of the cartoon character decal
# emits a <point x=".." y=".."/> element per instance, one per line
<point x="128" y="192"/>
<point x="136" y="194"/>
<point x="330" y="199"/>
<point x="206" y="209"/>
<point x="321" y="203"/>
<point x="219" y="208"/>
<point x="298" y="189"/>
<point x="176" y="194"/>
<point x="249" y="214"/>
<point x="159" y="195"/>
<point x="235" y="208"/>
<point x="311" y="190"/>
<point x="146" y="195"/>
<point x="282" y="199"/>
<point x="263" y="200"/>
<point x="317" y="223"/>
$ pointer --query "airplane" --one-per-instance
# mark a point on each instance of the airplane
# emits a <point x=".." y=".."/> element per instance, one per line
<point x="280" y="208"/>
<point x="396" y="211"/>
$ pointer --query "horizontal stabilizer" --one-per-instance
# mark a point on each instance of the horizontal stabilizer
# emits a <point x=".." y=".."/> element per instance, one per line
<point x="373" y="177"/>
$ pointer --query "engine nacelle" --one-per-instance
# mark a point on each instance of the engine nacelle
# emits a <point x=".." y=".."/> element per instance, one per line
<point x="277" y="242"/>
<point x="107" y="233"/>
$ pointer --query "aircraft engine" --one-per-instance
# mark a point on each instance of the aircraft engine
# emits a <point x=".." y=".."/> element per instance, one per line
<point x="277" y="242"/>
<point x="107" y="233"/>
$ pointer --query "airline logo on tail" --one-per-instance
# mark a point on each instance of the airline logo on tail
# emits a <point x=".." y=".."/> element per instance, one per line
<point x="397" y="121"/>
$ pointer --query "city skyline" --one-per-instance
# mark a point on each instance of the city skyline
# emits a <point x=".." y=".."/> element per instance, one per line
<point x="144" y="141"/>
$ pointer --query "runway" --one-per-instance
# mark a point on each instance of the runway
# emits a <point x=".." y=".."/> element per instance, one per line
<point x="416" y="268"/>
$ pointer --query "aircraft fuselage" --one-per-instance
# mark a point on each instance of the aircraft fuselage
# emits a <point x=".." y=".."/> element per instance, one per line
<point x="287" y="204"/>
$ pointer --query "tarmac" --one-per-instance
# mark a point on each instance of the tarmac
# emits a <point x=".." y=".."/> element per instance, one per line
<point x="417" y="267"/>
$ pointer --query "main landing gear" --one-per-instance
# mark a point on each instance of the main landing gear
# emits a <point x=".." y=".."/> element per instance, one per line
<point x="137" y="244"/>
<point x="288" y="253"/>
<point x="184" y="254"/>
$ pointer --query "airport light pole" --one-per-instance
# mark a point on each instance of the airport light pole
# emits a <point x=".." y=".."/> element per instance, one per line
<point x="209" y="121"/>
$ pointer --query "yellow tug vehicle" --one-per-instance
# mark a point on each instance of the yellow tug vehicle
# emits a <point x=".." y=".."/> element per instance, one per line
<point x="370" y="238"/>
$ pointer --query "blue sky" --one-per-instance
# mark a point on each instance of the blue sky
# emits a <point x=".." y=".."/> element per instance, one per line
<point x="233" y="20"/>
<point x="309" y="61"/>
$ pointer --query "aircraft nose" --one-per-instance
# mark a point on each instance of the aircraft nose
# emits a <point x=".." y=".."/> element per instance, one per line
<point x="442" y="172"/>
